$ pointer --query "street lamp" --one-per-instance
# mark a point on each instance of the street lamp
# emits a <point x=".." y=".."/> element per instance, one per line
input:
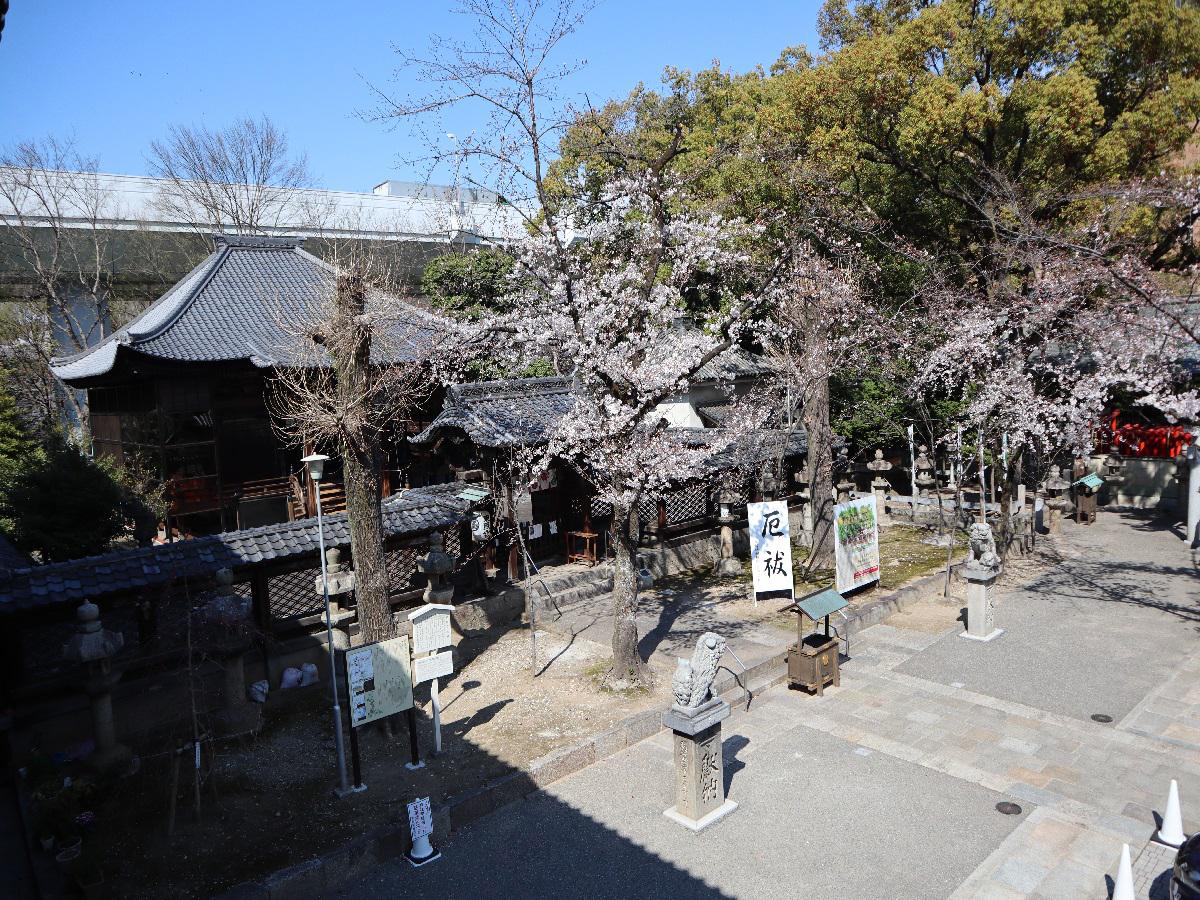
<point x="316" y="468"/>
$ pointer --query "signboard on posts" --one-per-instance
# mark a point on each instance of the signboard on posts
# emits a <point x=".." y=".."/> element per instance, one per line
<point x="770" y="546"/>
<point x="380" y="680"/>
<point x="856" y="543"/>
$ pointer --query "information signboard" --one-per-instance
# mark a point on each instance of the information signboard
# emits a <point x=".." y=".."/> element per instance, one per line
<point x="427" y="668"/>
<point x="431" y="627"/>
<point x="379" y="679"/>
<point x="856" y="543"/>
<point x="770" y="546"/>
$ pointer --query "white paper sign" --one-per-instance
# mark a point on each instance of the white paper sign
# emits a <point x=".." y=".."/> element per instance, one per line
<point x="427" y="668"/>
<point x="856" y="543"/>
<point x="770" y="546"/>
<point x="431" y="627"/>
<point x="420" y="818"/>
<point x="535" y="531"/>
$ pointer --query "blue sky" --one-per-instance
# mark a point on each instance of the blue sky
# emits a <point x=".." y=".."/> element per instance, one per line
<point x="116" y="73"/>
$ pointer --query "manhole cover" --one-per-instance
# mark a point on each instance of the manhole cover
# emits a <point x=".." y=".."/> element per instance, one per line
<point x="1009" y="809"/>
<point x="1103" y="718"/>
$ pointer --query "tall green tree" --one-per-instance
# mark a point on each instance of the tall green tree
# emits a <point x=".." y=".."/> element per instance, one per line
<point x="65" y="506"/>
<point x="19" y="453"/>
<point x="920" y="109"/>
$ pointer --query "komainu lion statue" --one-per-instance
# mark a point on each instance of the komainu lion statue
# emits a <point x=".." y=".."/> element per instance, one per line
<point x="981" y="547"/>
<point x="692" y="682"/>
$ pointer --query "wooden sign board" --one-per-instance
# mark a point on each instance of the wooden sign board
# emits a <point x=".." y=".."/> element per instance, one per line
<point x="431" y="627"/>
<point x="379" y="679"/>
<point x="427" y="668"/>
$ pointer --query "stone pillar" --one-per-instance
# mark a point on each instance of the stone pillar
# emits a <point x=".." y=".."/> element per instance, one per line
<point x="93" y="647"/>
<point x="1192" y="535"/>
<point x="981" y="624"/>
<point x="699" y="764"/>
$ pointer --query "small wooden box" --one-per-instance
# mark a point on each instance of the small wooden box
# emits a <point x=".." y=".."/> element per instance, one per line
<point x="813" y="663"/>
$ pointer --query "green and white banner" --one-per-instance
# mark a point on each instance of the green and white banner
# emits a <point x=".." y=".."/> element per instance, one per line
<point x="856" y="543"/>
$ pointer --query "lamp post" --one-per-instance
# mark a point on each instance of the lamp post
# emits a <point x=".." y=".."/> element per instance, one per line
<point x="316" y="469"/>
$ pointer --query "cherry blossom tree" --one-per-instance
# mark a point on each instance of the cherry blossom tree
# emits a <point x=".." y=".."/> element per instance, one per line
<point x="1056" y="323"/>
<point x="607" y="311"/>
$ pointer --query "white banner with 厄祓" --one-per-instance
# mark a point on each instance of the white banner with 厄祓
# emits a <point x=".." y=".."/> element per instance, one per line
<point x="856" y="543"/>
<point x="770" y="546"/>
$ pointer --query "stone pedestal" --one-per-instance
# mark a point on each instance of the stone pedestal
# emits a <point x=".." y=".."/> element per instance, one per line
<point x="981" y="624"/>
<point x="699" y="764"/>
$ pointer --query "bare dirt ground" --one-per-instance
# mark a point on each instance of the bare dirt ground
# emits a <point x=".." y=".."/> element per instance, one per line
<point x="267" y="802"/>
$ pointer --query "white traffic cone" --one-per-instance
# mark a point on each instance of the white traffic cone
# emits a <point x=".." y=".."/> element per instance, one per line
<point x="1171" y="832"/>
<point x="1124" y="888"/>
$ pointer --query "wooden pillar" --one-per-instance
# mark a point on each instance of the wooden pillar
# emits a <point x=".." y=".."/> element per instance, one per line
<point x="260" y="595"/>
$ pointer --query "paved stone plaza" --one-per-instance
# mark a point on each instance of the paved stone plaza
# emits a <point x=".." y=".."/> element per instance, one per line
<point x="887" y="786"/>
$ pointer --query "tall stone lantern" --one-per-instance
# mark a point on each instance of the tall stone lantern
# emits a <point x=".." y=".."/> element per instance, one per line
<point x="728" y="565"/>
<point x="880" y="485"/>
<point x="227" y="615"/>
<point x="1057" y="502"/>
<point x="436" y="565"/>
<point x="924" y="466"/>
<point x="93" y="647"/>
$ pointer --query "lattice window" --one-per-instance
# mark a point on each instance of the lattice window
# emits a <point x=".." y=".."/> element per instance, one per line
<point x="599" y="508"/>
<point x="295" y="594"/>
<point x="42" y="648"/>
<point x="401" y="566"/>
<point x="687" y="504"/>
<point x="648" y="510"/>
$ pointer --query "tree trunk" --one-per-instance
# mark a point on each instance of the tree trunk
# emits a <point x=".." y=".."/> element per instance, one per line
<point x="360" y="468"/>
<point x="627" y="667"/>
<point x="350" y="350"/>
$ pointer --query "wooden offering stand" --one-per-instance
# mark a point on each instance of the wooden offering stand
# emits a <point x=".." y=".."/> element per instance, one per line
<point x="813" y="659"/>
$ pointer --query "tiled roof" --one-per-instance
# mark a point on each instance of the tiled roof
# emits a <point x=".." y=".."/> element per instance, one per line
<point x="734" y="363"/>
<point x="414" y="512"/>
<point x="235" y="306"/>
<point x="514" y="413"/>
<point x="524" y="411"/>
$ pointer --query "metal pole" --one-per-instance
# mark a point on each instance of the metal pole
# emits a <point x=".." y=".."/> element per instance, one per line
<point x="437" y="716"/>
<point x="338" y="739"/>
<point x="414" y="751"/>
<point x="912" y="469"/>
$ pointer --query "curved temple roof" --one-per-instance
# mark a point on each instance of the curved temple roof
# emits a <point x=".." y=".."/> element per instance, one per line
<point x="236" y="305"/>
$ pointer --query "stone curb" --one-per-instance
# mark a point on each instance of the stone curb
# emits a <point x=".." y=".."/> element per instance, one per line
<point x="877" y="610"/>
<point x="319" y="877"/>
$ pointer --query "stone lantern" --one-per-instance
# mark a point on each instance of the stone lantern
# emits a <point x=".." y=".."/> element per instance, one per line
<point x="93" y="646"/>
<point x="728" y="566"/>
<point x="925" y="480"/>
<point x="844" y="486"/>
<point x="436" y="565"/>
<point x="1056" y="501"/>
<point x="227" y="614"/>
<point x="880" y="485"/>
